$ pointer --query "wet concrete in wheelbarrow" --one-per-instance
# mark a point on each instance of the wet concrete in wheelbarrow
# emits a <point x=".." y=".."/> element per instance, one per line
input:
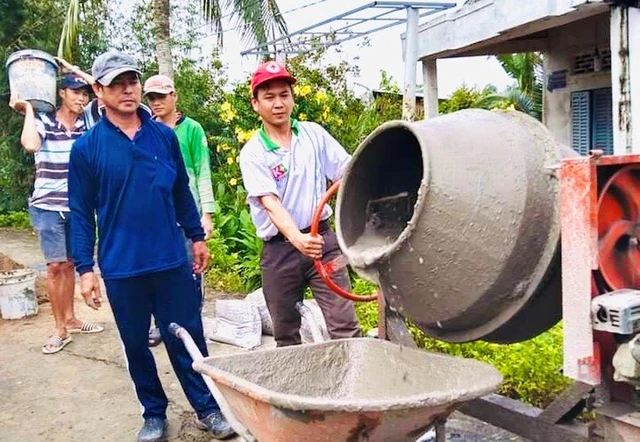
<point x="84" y="394"/>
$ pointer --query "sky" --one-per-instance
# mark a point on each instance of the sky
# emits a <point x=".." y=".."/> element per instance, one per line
<point x="384" y="51"/>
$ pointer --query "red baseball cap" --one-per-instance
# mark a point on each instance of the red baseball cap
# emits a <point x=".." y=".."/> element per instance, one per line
<point x="271" y="70"/>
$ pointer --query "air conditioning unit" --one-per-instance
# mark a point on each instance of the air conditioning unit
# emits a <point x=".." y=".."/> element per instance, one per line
<point x="617" y="312"/>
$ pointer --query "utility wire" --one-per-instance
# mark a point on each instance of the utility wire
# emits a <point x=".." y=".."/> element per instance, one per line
<point x="224" y="31"/>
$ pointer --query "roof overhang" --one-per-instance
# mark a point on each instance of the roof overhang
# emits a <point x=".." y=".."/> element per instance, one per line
<point x="489" y="27"/>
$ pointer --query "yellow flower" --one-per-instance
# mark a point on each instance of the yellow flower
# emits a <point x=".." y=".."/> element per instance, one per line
<point x="238" y="159"/>
<point x="302" y="91"/>
<point x="321" y="96"/>
<point x="302" y="117"/>
<point x="326" y="114"/>
<point x="233" y="181"/>
<point x="243" y="136"/>
<point x="229" y="160"/>
<point x="228" y="116"/>
<point x="225" y="107"/>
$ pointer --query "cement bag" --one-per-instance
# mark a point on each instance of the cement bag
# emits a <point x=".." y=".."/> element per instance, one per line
<point x="237" y="323"/>
<point x="313" y="327"/>
<point x="257" y="298"/>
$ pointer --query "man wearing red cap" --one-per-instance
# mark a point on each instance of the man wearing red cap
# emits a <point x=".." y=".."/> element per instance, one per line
<point x="285" y="167"/>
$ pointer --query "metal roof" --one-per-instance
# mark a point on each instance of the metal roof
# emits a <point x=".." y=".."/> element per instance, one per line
<point x="356" y="23"/>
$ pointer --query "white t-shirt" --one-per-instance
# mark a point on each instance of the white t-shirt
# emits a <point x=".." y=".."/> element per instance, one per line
<point x="298" y="176"/>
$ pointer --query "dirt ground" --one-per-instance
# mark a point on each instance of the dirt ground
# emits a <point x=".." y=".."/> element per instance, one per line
<point x="84" y="393"/>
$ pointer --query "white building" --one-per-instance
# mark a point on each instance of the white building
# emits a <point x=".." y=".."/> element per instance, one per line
<point x="591" y="52"/>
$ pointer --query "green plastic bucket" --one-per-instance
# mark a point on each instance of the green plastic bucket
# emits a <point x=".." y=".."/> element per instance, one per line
<point x="32" y="75"/>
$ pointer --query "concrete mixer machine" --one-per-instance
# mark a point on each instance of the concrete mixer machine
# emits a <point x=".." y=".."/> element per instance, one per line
<point x="478" y="225"/>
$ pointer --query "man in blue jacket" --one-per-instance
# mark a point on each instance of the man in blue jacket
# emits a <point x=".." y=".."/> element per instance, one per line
<point x="129" y="171"/>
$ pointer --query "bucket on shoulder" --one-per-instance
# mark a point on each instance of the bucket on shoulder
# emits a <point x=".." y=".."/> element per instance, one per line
<point x="32" y="75"/>
<point x="17" y="294"/>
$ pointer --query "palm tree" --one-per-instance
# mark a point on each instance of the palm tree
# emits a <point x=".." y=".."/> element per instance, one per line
<point x="526" y="69"/>
<point x="257" y="20"/>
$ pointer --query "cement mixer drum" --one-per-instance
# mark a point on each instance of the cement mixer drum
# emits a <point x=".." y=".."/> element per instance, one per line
<point x="457" y="219"/>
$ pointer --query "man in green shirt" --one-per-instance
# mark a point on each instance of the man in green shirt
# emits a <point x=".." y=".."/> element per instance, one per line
<point x="162" y="97"/>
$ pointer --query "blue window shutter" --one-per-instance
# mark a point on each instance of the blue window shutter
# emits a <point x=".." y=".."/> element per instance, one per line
<point x="580" y="122"/>
<point x="602" y="124"/>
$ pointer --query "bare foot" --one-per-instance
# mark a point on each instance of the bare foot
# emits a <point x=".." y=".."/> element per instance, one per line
<point x="74" y="323"/>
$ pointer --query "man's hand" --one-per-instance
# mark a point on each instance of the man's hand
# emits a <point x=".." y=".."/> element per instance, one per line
<point x="19" y="105"/>
<point x="90" y="290"/>
<point x="200" y="257"/>
<point x="64" y="64"/>
<point x="308" y="245"/>
<point x="207" y="225"/>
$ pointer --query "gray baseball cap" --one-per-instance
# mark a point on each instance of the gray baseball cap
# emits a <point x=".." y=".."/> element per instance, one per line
<point x="111" y="64"/>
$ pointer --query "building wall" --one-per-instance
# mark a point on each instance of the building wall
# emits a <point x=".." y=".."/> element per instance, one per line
<point x="564" y="44"/>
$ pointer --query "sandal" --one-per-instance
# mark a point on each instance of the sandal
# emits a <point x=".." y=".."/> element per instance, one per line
<point x="87" y="327"/>
<point x="155" y="338"/>
<point x="54" y="344"/>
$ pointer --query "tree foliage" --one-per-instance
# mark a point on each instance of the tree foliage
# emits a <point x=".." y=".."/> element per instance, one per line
<point x="27" y="24"/>
<point x="526" y="69"/>
<point x="466" y="97"/>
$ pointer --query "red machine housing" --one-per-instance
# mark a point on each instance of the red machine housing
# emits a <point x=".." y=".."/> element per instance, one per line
<point x="600" y="213"/>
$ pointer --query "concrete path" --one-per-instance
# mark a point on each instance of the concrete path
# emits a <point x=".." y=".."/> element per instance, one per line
<point x="84" y="393"/>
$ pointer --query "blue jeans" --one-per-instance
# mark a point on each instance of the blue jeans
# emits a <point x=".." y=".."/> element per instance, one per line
<point x="170" y="296"/>
<point x="53" y="232"/>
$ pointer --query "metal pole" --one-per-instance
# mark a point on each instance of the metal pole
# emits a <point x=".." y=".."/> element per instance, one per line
<point x="281" y="56"/>
<point x="430" y="88"/>
<point x="441" y="432"/>
<point x="410" y="62"/>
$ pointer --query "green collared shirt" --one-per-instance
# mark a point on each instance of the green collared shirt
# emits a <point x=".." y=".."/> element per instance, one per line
<point x="271" y="145"/>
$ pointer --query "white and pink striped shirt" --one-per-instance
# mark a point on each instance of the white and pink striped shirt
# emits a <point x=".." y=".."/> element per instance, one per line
<point x="52" y="162"/>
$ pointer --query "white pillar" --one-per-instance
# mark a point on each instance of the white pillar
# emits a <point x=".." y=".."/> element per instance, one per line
<point x="634" y="69"/>
<point x="410" y="65"/>
<point x="430" y="87"/>
<point x="625" y="62"/>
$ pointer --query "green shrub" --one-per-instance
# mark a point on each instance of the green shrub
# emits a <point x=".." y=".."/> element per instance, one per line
<point x="15" y="220"/>
<point x="367" y="311"/>
<point x="531" y="369"/>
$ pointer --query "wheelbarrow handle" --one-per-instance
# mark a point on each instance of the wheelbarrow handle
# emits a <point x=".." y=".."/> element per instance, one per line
<point x="182" y="334"/>
<point x="195" y="353"/>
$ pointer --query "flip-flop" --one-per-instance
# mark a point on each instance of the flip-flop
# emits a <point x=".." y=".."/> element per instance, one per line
<point x="57" y="343"/>
<point x="87" y="327"/>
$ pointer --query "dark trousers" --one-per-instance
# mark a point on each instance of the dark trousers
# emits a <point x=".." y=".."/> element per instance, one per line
<point x="171" y="296"/>
<point x="286" y="273"/>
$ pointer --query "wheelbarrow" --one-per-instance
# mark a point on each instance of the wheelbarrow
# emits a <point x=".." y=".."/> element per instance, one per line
<point x="350" y="390"/>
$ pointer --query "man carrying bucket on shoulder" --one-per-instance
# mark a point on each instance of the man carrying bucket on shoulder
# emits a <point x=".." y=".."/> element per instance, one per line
<point x="49" y="137"/>
<point x="285" y="168"/>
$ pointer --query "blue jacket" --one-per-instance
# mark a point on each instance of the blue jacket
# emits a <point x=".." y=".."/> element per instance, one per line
<point x="140" y="191"/>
